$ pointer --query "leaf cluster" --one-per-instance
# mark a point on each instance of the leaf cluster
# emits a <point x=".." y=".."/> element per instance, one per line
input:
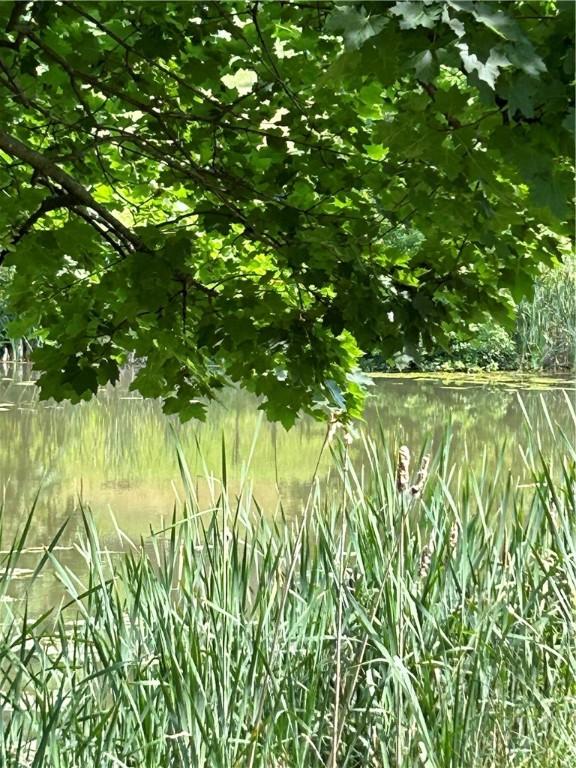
<point x="217" y="188"/>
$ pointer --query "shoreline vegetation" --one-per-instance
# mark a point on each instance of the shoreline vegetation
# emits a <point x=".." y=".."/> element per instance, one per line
<point x="415" y="615"/>
<point x="543" y="337"/>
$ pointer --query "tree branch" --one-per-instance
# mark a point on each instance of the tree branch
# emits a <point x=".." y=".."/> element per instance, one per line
<point x="18" y="10"/>
<point x="108" y="88"/>
<point x="50" y="204"/>
<point x="47" y="168"/>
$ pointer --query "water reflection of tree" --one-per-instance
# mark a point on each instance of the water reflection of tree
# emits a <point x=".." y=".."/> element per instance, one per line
<point x="120" y="440"/>
<point x="480" y="415"/>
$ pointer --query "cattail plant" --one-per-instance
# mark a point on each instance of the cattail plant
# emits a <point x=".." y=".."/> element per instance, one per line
<point x="421" y="477"/>
<point x="454" y="536"/>
<point x="403" y="473"/>
<point x="426" y="558"/>
<point x="403" y="469"/>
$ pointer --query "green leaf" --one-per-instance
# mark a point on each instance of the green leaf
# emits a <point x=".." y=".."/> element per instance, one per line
<point x="426" y="66"/>
<point x="415" y="14"/>
<point x="243" y="80"/>
<point x="376" y="151"/>
<point x="489" y="70"/>
<point x="492" y="17"/>
<point x="355" y="25"/>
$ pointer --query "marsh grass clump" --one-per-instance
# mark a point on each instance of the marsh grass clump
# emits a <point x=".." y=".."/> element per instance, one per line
<point x="546" y="325"/>
<point x="232" y="639"/>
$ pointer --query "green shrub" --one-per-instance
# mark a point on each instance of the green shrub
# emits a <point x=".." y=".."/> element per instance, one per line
<point x="490" y="349"/>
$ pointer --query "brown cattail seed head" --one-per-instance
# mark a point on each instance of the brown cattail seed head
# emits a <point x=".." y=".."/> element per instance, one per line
<point x="426" y="559"/>
<point x="421" y="477"/>
<point x="454" y="534"/>
<point x="403" y="469"/>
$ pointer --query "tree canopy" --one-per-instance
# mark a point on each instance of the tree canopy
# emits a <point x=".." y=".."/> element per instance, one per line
<point x="254" y="192"/>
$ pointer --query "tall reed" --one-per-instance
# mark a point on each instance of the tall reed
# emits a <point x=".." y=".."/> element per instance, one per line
<point x="229" y="639"/>
<point x="546" y="325"/>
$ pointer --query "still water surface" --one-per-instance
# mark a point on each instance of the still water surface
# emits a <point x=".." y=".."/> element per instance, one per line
<point x="117" y="455"/>
<point x="117" y="452"/>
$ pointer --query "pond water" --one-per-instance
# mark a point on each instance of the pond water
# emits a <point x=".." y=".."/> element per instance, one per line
<point x="117" y="453"/>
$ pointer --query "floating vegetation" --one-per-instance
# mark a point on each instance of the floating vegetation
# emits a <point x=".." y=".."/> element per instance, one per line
<point x="517" y="380"/>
